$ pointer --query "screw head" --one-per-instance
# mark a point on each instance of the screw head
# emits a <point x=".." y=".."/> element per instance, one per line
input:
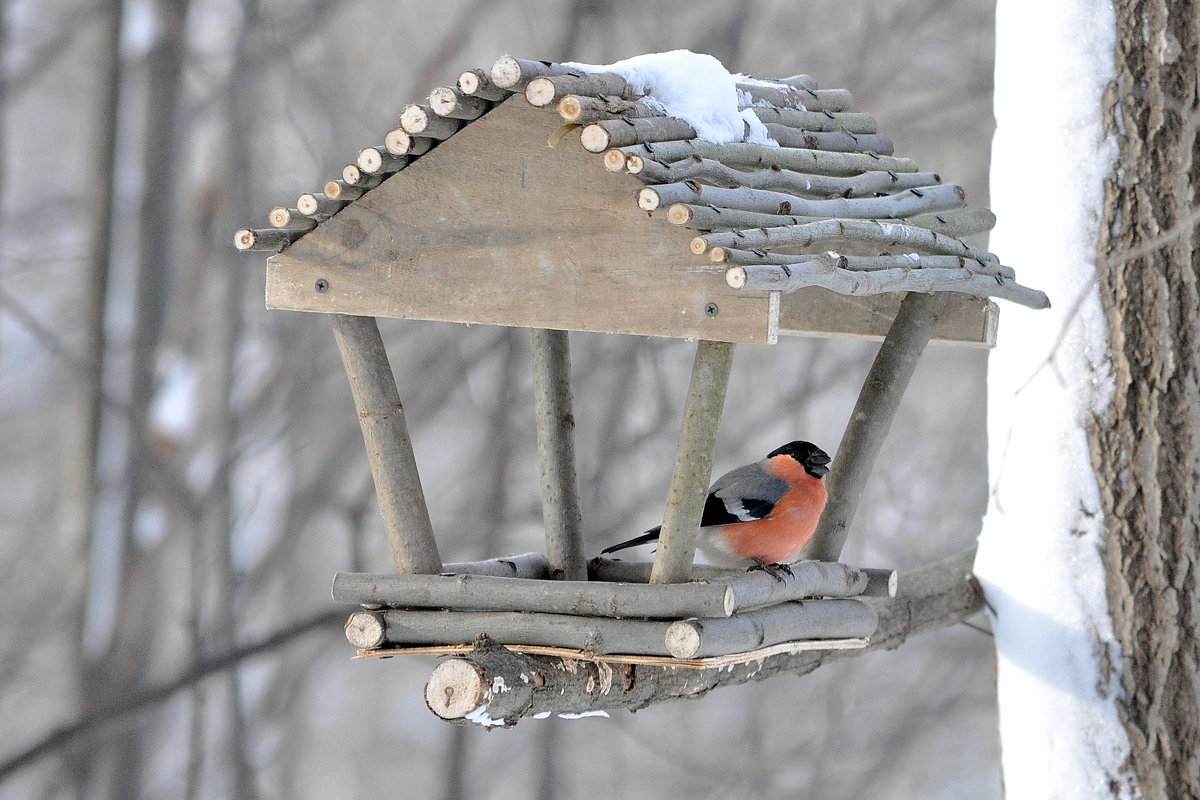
<point x="321" y="285"/>
<point x="711" y="309"/>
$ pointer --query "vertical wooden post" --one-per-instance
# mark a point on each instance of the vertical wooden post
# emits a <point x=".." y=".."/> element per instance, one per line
<point x="389" y="449"/>
<point x="556" y="454"/>
<point x="872" y="418"/>
<point x="693" y="462"/>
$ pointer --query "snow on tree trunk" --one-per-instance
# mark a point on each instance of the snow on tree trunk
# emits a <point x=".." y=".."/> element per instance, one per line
<point x="1040" y="551"/>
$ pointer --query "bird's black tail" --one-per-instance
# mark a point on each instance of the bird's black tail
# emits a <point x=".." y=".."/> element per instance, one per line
<point x="649" y="536"/>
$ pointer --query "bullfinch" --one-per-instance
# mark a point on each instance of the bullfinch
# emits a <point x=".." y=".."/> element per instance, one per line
<point x="761" y="513"/>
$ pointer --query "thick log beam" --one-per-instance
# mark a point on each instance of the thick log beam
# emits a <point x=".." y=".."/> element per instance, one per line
<point x="462" y="689"/>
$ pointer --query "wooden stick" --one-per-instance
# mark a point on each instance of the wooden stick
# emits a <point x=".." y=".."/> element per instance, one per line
<point x="352" y="175"/>
<point x="872" y="418"/>
<point x="955" y="223"/>
<point x="693" y="462"/>
<point x="756" y="257"/>
<point x="757" y="156"/>
<point x="599" y="136"/>
<point x="525" y="565"/>
<point x="556" y="454"/>
<point x="389" y="449"/>
<point x="575" y="597"/>
<point x="290" y="219"/>
<point x="839" y="274"/>
<point x="880" y="582"/>
<point x="840" y="141"/>
<point x="932" y="597"/>
<point x="852" y="122"/>
<point x="715" y="173"/>
<point x="477" y="83"/>
<point x="274" y="239"/>
<point x="513" y="73"/>
<point x="421" y="120"/>
<point x="378" y="161"/>
<point x="893" y="206"/>
<point x="371" y="629"/>
<point x="751" y="630"/>
<point x="319" y="205"/>
<point x="447" y="101"/>
<point x="839" y="231"/>
<point x="581" y="110"/>
<point x="340" y="190"/>
<point x="798" y="98"/>
<point x="400" y="142"/>
<point x="546" y="90"/>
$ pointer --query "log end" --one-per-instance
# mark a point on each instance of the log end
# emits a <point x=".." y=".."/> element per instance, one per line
<point x="736" y="277"/>
<point x="414" y="118"/>
<point x="506" y="72"/>
<point x="245" y="239"/>
<point x="370" y="160"/>
<point x="456" y="688"/>
<point x="594" y="138"/>
<point x="443" y="100"/>
<point x="648" y="198"/>
<point x="699" y="245"/>
<point x="679" y="214"/>
<point x="365" y="630"/>
<point x="719" y="254"/>
<point x="571" y="110"/>
<point x="279" y="217"/>
<point x="635" y="164"/>
<point x="309" y="203"/>
<point x="540" y="92"/>
<point x="614" y="160"/>
<point x="398" y="142"/>
<point x="683" y="638"/>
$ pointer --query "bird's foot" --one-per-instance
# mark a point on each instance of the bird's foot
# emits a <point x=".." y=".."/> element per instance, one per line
<point x="776" y="571"/>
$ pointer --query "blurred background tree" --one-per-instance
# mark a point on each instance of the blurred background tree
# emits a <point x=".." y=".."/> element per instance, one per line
<point x="185" y="472"/>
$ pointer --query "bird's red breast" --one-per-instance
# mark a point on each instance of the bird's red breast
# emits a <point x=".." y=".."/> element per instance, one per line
<point x="791" y="523"/>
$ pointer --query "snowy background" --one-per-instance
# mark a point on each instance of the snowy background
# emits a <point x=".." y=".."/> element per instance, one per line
<point x="245" y="510"/>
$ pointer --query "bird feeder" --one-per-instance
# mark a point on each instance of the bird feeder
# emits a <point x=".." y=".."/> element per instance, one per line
<point x="560" y="198"/>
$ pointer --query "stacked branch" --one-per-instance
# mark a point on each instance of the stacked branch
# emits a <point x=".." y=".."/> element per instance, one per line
<point x="720" y="615"/>
<point x="494" y="685"/>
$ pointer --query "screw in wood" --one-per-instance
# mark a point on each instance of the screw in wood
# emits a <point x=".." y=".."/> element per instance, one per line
<point x="321" y="285"/>
<point x="711" y="309"/>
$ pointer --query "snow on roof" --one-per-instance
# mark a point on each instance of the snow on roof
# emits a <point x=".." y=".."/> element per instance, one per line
<point x="781" y="180"/>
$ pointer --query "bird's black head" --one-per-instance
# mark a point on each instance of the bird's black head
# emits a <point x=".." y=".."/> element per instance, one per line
<point x="814" y="460"/>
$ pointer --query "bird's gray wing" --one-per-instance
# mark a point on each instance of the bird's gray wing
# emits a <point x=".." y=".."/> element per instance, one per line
<point x="742" y="495"/>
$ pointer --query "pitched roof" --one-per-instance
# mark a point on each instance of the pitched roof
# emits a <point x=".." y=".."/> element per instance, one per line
<point x="830" y="206"/>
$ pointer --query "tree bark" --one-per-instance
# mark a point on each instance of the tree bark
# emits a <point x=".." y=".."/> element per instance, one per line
<point x="1146" y="450"/>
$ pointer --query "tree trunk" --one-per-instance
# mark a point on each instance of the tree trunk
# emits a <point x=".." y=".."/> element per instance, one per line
<point x="1146" y="449"/>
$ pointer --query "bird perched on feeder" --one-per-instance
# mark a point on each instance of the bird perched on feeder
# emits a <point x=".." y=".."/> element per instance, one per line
<point x="761" y="513"/>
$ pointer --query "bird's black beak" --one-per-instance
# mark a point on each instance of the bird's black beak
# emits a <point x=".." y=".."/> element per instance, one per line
<point x="817" y="465"/>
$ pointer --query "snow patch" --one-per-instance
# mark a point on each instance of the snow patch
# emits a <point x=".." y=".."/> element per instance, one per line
<point x="693" y="87"/>
<point x="582" y="714"/>
<point x="480" y="717"/>
<point x="1039" y="559"/>
<point x="498" y="685"/>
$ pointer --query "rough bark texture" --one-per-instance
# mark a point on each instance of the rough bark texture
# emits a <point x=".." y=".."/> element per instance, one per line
<point x="1147" y="448"/>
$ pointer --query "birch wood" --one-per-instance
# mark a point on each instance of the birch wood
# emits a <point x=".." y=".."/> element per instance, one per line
<point x="448" y="101"/>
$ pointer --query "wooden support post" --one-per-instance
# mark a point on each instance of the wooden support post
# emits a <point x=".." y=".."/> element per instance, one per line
<point x="556" y="454"/>
<point x="389" y="449"/>
<point x="872" y="418"/>
<point x="693" y="462"/>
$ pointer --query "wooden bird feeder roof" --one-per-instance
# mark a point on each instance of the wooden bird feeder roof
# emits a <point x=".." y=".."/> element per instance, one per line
<point x="485" y="206"/>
